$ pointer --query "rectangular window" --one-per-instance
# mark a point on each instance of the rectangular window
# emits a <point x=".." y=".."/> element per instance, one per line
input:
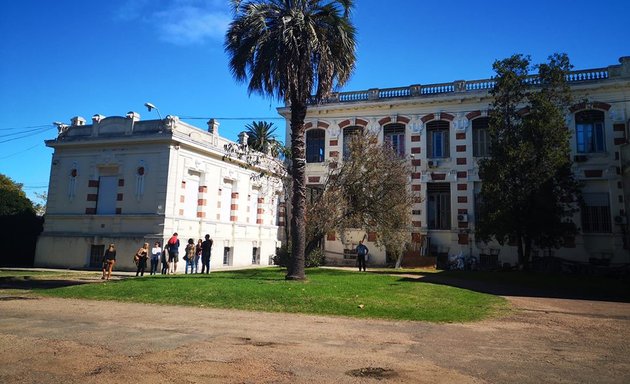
<point x="481" y="143"/>
<point x="437" y="139"/>
<point x="439" y="205"/>
<point x="590" y="137"/>
<point x="227" y="256"/>
<point x="394" y="137"/>
<point x="596" y="213"/>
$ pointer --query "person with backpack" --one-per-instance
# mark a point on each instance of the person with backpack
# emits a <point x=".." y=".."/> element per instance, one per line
<point x="362" y="252"/>
<point x="189" y="256"/>
<point x="173" y="252"/>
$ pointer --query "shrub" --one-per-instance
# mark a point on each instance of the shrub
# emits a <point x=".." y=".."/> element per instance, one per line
<point x="314" y="259"/>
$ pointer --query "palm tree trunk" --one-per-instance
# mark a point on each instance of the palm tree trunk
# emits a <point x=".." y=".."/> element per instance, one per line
<point x="298" y="200"/>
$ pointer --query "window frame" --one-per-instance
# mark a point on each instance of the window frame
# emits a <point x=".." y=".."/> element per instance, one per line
<point x="443" y="128"/>
<point x="439" y="206"/>
<point x="590" y="133"/>
<point x="394" y="137"/>
<point x="481" y="148"/>
<point x="315" y="146"/>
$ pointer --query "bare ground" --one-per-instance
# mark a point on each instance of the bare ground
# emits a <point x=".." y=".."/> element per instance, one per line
<point x="542" y="340"/>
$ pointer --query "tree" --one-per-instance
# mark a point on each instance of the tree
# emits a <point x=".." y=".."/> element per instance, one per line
<point x="13" y="200"/>
<point x="528" y="194"/>
<point x="260" y="137"/>
<point x="369" y="191"/>
<point x="295" y="51"/>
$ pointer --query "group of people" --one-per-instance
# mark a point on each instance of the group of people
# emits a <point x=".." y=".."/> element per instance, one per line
<point x="168" y="256"/>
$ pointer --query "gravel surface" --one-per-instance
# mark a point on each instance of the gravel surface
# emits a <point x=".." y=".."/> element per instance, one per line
<point x="542" y="340"/>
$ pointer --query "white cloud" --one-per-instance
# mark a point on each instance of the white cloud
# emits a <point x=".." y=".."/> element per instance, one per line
<point x="180" y="22"/>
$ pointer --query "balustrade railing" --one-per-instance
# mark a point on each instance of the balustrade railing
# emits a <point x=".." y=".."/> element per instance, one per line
<point x="454" y="87"/>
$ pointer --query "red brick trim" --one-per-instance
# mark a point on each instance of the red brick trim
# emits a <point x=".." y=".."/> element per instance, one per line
<point x="462" y="174"/>
<point x="460" y="148"/>
<point x="384" y="120"/>
<point x="415" y="175"/>
<point x="416" y="162"/>
<point x="461" y="161"/>
<point x="92" y="183"/>
<point x="261" y="200"/>
<point x="462" y="225"/>
<point x="321" y="124"/>
<point x="259" y="221"/>
<point x="415" y="150"/>
<point x="619" y="128"/>
<point x="330" y="236"/>
<point x="183" y="184"/>
<point x="333" y="154"/>
<point x="119" y="211"/>
<point x="593" y="173"/>
<point x="462" y="199"/>
<point x="416" y="223"/>
<point x="462" y="211"/>
<point x="121" y="182"/>
<point x="334" y="143"/>
<point x="415" y="138"/>
<point x="344" y="123"/>
<point x="416" y="187"/>
<point x="233" y="207"/>
<point x="462" y="238"/>
<point x="404" y="120"/>
<point x="438" y="176"/>
<point x="308" y="125"/>
<point x="201" y="215"/>
<point x="181" y="212"/>
<point x="462" y="187"/>
<point x="313" y="179"/>
<point x="203" y="189"/>
<point x="595" y="105"/>
<point x="119" y="197"/>
<point x="235" y="195"/>
<point x="620" y="140"/>
<point x="92" y="197"/>
<point x="202" y="202"/>
<point x="90" y="211"/>
<point x="362" y="122"/>
<point x="371" y="236"/>
<point x="428" y="117"/>
<point x="447" y="116"/>
<point x="182" y="198"/>
<point x="233" y="218"/>
<point x="472" y="115"/>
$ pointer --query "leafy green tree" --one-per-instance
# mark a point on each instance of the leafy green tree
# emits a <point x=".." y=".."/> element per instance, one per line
<point x="368" y="192"/>
<point x="295" y="51"/>
<point x="260" y="137"/>
<point x="13" y="200"/>
<point x="528" y="195"/>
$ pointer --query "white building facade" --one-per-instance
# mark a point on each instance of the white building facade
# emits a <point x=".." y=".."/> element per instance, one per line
<point x="442" y="130"/>
<point x="125" y="181"/>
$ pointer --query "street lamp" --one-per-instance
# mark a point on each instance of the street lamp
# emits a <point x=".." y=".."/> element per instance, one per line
<point x="150" y="107"/>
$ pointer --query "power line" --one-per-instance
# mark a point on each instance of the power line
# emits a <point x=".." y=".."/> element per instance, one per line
<point x="27" y="135"/>
<point x="32" y="126"/>
<point x="17" y="153"/>
<point x="231" y="118"/>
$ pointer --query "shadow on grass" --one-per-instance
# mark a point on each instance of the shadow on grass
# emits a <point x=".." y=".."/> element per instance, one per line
<point x="26" y="282"/>
<point x="516" y="283"/>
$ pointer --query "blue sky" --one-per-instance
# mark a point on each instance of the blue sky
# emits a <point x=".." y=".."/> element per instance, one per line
<point x="66" y="58"/>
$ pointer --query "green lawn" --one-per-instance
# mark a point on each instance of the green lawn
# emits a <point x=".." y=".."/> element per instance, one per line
<point x="326" y="292"/>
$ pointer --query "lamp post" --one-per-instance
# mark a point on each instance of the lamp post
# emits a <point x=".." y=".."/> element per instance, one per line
<point x="150" y="107"/>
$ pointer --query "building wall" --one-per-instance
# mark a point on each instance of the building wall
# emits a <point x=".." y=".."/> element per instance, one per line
<point x="460" y="103"/>
<point x="128" y="181"/>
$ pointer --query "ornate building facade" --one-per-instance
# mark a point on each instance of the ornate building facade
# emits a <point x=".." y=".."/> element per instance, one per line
<point x="442" y="130"/>
<point x="125" y="181"/>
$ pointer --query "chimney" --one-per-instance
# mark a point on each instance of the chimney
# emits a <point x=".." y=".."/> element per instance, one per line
<point x="213" y="127"/>
<point x="77" y="121"/>
<point x="135" y="116"/>
<point x="242" y="138"/>
<point x="97" y="118"/>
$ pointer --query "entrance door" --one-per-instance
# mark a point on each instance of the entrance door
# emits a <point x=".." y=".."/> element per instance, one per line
<point x="107" y="188"/>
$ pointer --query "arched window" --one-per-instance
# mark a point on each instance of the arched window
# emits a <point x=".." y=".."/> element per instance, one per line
<point x="348" y="134"/>
<point x="589" y="131"/>
<point x="481" y="141"/>
<point x="315" y="143"/>
<point x="438" y="139"/>
<point x="394" y="137"/>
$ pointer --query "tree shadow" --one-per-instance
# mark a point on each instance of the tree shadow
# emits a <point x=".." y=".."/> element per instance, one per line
<point x="28" y="283"/>
<point x="532" y="285"/>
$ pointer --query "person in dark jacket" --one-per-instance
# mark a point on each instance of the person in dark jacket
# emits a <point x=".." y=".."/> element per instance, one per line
<point x="109" y="259"/>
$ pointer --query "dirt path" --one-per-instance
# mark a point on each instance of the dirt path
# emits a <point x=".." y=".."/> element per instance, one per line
<point x="45" y="340"/>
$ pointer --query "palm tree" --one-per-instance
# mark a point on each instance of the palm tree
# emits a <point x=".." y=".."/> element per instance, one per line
<point x="261" y="138"/>
<point x="295" y="51"/>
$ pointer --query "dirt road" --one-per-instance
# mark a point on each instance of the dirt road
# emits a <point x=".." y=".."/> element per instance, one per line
<point x="45" y="340"/>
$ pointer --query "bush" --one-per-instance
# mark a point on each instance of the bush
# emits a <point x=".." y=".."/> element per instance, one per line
<point x="314" y="259"/>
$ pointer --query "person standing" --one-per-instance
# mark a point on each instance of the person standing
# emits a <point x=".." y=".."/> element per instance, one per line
<point x="142" y="255"/>
<point x="156" y="253"/>
<point x="173" y="252"/>
<point x="206" y="252"/>
<point x="109" y="259"/>
<point x="197" y="255"/>
<point x="190" y="255"/>
<point x="362" y="252"/>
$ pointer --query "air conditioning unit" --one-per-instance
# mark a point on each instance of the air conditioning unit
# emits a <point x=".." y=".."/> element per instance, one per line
<point x="580" y="158"/>
<point x="462" y="218"/>
<point x="433" y="163"/>
<point x="621" y="220"/>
